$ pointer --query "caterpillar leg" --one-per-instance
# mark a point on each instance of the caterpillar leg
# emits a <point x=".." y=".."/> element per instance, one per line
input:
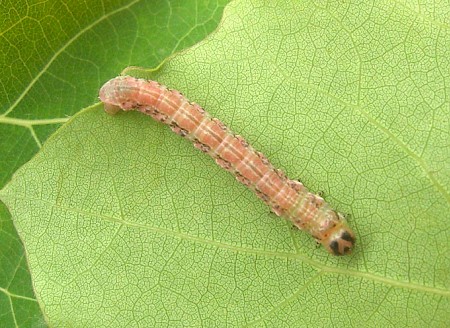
<point x="296" y="185"/>
<point x="110" y="108"/>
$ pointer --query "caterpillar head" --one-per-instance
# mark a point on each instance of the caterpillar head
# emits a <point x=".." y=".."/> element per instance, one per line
<point x="339" y="240"/>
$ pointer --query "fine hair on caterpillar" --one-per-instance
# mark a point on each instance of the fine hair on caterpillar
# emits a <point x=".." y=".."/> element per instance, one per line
<point x="286" y="198"/>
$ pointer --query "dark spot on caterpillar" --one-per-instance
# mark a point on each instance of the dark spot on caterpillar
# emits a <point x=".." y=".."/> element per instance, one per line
<point x="277" y="210"/>
<point x="280" y="174"/>
<point x="243" y="179"/>
<point x="175" y="128"/>
<point x="224" y="164"/>
<point x="197" y="107"/>
<point x="346" y="236"/>
<point x="220" y="124"/>
<point x="301" y="225"/>
<point x="296" y="185"/>
<point x="334" y="246"/>
<point x="263" y="158"/>
<point x="262" y="196"/>
<point x="204" y="148"/>
<point x="242" y="141"/>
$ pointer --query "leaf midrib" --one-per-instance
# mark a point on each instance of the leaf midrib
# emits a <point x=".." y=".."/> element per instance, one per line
<point x="320" y="267"/>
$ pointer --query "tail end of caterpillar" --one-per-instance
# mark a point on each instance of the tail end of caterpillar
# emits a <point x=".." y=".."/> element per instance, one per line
<point x="108" y="96"/>
<point x="340" y="240"/>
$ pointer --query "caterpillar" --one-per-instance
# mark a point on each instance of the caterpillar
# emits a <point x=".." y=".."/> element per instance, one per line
<point x="287" y="198"/>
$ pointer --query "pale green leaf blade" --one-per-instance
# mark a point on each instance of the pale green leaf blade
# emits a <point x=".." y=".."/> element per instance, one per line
<point x="129" y="225"/>
<point x="53" y="56"/>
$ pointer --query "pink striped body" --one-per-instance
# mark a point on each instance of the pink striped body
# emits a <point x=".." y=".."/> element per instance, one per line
<point x="287" y="198"/>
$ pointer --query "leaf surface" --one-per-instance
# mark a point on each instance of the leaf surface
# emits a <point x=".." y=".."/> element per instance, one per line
<point x="54" y="55"/>
<point x="126" y="224"/>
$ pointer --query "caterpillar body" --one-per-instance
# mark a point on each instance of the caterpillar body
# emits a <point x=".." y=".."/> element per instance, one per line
<point x="287" y="198"/>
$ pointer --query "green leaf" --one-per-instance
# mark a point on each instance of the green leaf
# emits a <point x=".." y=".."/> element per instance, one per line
<point x="54" y="56"/>
<point x="126" y="224"/>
